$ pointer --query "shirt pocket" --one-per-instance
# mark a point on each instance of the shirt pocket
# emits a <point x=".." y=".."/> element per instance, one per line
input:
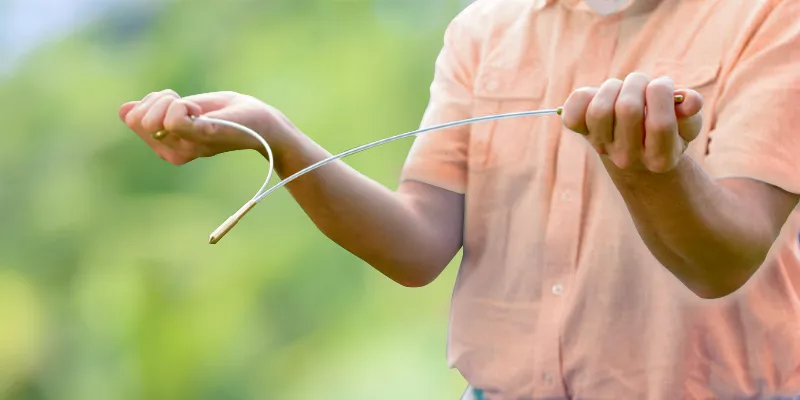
<point x="701" y="77"/>
<point x="506" y="142"/>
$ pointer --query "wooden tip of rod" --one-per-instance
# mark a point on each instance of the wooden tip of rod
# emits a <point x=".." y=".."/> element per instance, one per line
<point x="234" y="219"/>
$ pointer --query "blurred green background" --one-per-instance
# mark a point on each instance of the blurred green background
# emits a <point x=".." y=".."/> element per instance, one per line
<point x="108" y="288"/>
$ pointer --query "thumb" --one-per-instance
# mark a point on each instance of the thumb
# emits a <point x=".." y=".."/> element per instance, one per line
<point x="126" y="108"/>
<point x="688" y="112"/>
<point x="208" y="127"/>
<point x="233" y="138"/>
<point x="691" y="105"/>
<point x="225" y="114"/>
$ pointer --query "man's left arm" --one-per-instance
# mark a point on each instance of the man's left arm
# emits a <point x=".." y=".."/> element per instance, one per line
<point x="711" y="227"/>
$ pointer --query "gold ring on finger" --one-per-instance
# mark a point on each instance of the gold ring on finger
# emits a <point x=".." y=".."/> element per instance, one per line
<point x="160" y="135"/>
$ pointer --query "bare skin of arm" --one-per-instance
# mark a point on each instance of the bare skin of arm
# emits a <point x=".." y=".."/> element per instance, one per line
<point x="409" y="235"/>
<point x="713" y="235"/>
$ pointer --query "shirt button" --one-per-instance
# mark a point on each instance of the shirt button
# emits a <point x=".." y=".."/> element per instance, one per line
<point x="547" y="378"/>
<point x="566" y="196"/>
<point x="558" y="289"/>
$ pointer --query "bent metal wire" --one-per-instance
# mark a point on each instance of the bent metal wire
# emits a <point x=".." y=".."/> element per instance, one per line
<point x="265" y="190"/>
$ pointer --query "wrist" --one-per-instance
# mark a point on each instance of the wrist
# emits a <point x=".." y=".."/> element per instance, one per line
<point x="277" y="131"/>
<point x="637" y="176"/>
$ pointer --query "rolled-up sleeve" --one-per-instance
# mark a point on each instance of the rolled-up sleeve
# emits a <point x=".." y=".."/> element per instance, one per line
<point x="756" y="132"/>
<point x="439" y="158"/>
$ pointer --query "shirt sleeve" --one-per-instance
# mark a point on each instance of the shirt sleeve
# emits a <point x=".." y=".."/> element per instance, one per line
<point x="439" y="158"/>
<point x="756" y="133"/>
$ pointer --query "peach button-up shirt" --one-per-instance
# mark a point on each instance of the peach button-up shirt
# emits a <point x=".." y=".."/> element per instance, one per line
<point x="557" y="296"/>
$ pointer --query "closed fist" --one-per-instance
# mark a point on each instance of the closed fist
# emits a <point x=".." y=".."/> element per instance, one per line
<point x="636" y="124"/>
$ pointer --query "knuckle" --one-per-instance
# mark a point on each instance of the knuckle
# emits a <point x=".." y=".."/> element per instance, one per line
<point x="172" y="124"/>
<point x="572" y="123"/>
<point x="656" y="125"/>
<point x="599" y="110"/>
<point x="629" y="107"/>
<point x="663" y="84"/>
<point x="149" y="128"/>
<point x="613" y="83"/>
<point x="150" y="95"/>
<point x="621" y="159"/>
<point x="638" y="76"/>
<point x="580" y="96"/>
<point x="151" y="125"/>
<point x="658" y="163"/>
<point x="174" y="118"/>
<point x="132" y="119"/>
<point x="585" y="91"/>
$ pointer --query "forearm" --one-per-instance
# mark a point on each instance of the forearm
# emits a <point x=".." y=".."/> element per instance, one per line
<point x="378" y="225"/>
<point x="708" y="236"/>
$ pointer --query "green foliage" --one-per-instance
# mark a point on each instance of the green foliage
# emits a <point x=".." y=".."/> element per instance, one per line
<point x="108" y="289"/>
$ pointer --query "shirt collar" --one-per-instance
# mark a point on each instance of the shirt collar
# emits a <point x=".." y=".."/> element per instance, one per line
<point x="572" y="4"/>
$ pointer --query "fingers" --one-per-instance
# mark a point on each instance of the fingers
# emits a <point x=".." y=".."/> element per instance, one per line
<point x="126" y="108"/>
<point x="136" y="115"/>
<point x="575" y="108"/>
<point x="636" y="122"/>
<point x="177" y="118"/>
<point x="662" y="145"/>
<point x="157" y="113"/>
<point x="153" y="120"/>
<point x="146" y="119"/>
<point x="600" y="115"/>
<point x="162" y="120"/>
<point x="629" y="116"/>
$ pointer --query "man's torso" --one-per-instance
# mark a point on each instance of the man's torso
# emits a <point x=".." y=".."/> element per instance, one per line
<point x="557" y="295"/>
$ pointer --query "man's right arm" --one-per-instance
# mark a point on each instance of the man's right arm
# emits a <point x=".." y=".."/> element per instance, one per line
<point x="409" y="235"/>
<point x="412" y="234"/>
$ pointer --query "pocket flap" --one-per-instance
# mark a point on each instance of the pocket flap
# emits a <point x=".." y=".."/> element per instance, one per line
<point x="687" y="75"/>
<point x="497" y="83"/>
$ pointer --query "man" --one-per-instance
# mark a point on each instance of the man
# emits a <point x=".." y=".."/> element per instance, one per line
<point x="589" y="257"/>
